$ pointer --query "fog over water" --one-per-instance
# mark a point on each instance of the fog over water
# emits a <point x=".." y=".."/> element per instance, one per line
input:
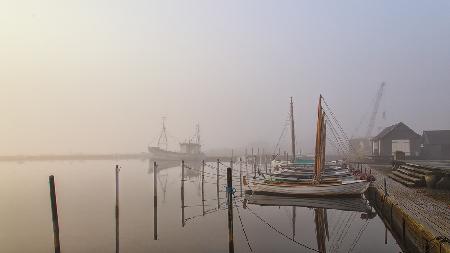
<point x="97" y="76"/>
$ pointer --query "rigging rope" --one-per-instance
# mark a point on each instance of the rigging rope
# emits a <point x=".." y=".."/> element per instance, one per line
<point x="282" y="134"/>
<point x="328" y="108"/>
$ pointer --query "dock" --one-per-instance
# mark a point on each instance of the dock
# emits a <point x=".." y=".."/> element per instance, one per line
<point x="419" y="222"/>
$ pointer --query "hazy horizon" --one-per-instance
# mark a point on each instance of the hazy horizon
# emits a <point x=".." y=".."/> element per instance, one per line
<point x="98" y="76"/>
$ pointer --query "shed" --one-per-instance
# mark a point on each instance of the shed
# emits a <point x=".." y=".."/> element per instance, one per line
<point x="398" y="137"/>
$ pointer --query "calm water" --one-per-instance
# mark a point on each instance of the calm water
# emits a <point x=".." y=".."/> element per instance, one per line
<point x="86" y="200"/>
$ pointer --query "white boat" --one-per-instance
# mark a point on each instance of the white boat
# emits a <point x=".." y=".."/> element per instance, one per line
<point x="339" y="188"/>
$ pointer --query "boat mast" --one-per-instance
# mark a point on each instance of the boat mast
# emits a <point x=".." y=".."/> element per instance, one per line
<point x="162" y="140"/>
<point x="197" y="133"/>
<point x="292" y="130"/>
<point x="320" y="143"/>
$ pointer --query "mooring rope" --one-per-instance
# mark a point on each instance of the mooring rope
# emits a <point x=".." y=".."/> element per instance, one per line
<point x="242" y="224"/>
<point x="279" y="232"/>
<point x="358" y="236"/>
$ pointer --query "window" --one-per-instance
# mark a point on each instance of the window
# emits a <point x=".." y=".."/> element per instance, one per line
<point x="401" y="145"/>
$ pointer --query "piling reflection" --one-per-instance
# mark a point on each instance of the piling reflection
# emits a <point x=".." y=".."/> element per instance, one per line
<point x="117" y="208"/>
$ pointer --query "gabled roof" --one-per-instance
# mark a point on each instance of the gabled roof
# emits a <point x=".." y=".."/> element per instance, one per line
<point x="436" y="137"/>
<point x="389" y="129"/>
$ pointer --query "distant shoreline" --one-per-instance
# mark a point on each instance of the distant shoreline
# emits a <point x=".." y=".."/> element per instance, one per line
<point x="88" y="157"/>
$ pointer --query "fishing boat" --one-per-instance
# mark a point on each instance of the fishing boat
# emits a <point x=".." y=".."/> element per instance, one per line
<point x="319" y="184"/>
<point x="190" y="150"/>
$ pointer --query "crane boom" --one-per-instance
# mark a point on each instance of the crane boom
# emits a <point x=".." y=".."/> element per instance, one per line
<point x="373" y="116"/>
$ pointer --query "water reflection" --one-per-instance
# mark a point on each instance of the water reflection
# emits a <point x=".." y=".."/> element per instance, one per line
<point x="320" y="207"/>
<point x="86" y="206"/>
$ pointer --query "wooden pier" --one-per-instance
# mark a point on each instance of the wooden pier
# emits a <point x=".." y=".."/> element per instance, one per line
<point x="419" y="222"/>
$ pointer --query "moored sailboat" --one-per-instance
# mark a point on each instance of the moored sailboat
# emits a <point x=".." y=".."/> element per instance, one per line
<point x="320" y="184"/>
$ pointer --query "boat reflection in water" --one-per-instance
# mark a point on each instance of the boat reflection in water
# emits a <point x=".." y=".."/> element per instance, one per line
<point x="320" y="206"/>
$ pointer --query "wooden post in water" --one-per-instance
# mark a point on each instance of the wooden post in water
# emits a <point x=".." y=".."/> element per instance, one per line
<point x="294" y="218"/>
<point x="218" y="196"/>
<point x="117" y="208"/>
<point x="230" y="210"/>
<point x="155" y="201"/>
<point x="231" y="160"/>
<point x="182" y="194"/>
<point x="54" y="214"/>
<point x="246" y="163"/>
<point x="240" y="174"/>
<point x="265" y="162"/>
<point x="203" y="187"/>
<point x="258" y="162"/>
<point x="253" y="165"/>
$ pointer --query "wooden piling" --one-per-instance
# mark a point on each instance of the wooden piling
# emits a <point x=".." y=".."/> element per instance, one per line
<point x="240" y="175"/>
<point x="117" y="208"/>
<point x="217" y="183"/>
<point x="182" y="194"/>
<point x="258" y="162"/>
<point x="253" y="165"/>
<point x="265" y="162"/>
<point x="155" y="201"/>
<point x="203" y="187"/>
<point x="54" y="207"/>
<point x="246" y="163"/>
<point x="231" y="160"/>
<point x="230" y="210"/>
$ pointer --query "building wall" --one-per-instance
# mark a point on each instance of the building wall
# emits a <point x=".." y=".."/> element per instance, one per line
<point x="446" y="152"/>
<point x="436" y="152"/>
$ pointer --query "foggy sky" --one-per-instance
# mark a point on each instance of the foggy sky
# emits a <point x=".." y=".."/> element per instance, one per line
<point x="97" y="76"/>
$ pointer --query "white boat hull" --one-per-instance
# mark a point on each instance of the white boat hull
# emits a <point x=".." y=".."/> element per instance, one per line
<point x="349" y="188"/>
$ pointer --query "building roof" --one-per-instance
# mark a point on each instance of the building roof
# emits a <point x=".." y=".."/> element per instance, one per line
<point x="436" y="137"/>
<point x="389" y="129"/>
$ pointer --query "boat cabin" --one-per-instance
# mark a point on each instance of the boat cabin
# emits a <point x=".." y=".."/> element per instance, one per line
<point x="190" y="148"/>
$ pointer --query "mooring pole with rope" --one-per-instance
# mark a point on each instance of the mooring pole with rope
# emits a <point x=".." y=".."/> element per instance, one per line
<point x="182" y="194"/>
<point x="155" y="201"/>
<point x="230" y="209"/>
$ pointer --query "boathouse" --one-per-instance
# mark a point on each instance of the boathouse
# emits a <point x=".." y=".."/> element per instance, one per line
<point x="398" y="137"/>
<point x="435" y="145"/>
